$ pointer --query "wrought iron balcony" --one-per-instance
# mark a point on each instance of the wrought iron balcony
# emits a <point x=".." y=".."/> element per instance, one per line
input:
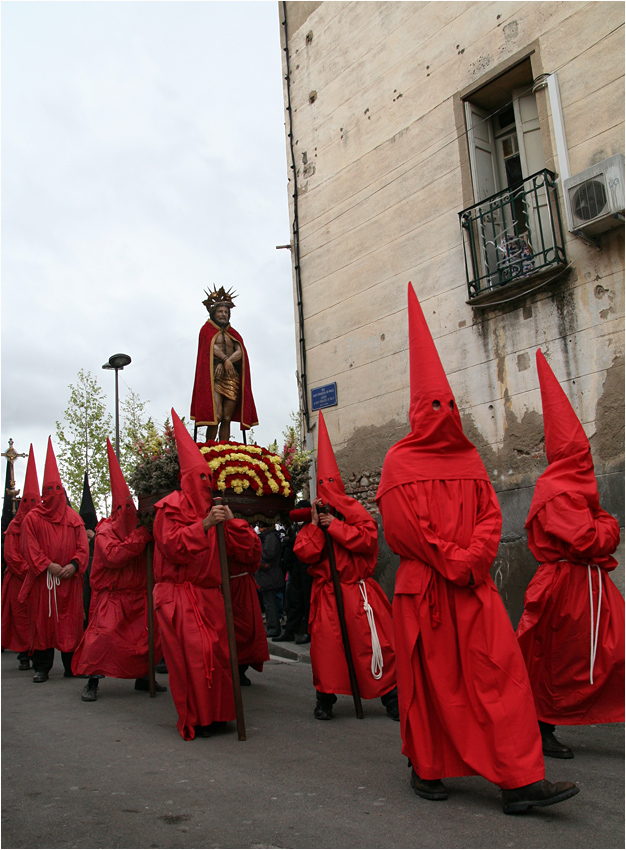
<point x="513" y="235"/>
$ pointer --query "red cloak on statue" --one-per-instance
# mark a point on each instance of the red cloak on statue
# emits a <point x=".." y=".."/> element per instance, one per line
<point x="188" y="600"/>
<point x="202" y="399"/>
<point x="367" y="609"/>
<point x="15" y="622"/>
<point x="466" y="706"/>
<point x="54" y="533"/>
<point x="572" y="630"/>
<point x="116" y="640"/>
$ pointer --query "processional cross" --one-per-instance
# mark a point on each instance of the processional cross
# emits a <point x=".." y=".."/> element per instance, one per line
<point x="11" y="456"/>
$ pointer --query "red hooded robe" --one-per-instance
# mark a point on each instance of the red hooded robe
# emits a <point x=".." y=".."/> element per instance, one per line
<point x="572" y="630"/>
<point x="466" y="706"/>
<point x="15" y="622"/>
<point x="202" y="400"/>
<point x="188" y="600"/>
<point x="116" y="640"/>
<point x="54" y="533"/>
<point x="355" y="543"/>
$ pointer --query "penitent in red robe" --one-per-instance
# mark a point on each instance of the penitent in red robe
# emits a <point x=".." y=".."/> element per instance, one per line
<point x="466" y="706"/>
<point x="15" y="622"/>
<point x="356" y="550"/>
<point x="557" y="629"/>
<point x="55" y="609"/>
<point x="202" y="401"/>
<point x="189" y="607"/>
<point x="252" y="648"/>
<point x="116" y="640"/>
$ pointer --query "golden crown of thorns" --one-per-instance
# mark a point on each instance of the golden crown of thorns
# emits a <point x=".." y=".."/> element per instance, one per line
<point x="219" y="296"/>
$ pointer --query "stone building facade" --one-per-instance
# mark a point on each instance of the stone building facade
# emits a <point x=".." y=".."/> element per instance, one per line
<point x="436" y="143"/>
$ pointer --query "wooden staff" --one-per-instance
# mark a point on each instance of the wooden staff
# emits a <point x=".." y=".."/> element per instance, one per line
<point x="356" y="696"/>
<point x="230" y="625"/>
<point x="150" y="577"/>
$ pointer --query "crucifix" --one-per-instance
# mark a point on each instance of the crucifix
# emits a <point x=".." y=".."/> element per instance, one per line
<point x="10" y="491"/>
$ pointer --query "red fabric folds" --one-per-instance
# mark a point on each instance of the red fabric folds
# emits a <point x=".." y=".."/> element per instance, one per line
<point x="15" y="621"/>
<point x="54" y="533"/>
<point x="466" y="706"/>
<point x="243" y="562"/>
<point x="189" y="608"/>
<point x="116" y="640"/>
<point x="356" y="548"/>
<point x="202" y="400"/>
<point x="572" y="630"/>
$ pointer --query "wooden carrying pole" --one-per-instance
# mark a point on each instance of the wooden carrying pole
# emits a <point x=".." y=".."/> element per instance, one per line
<point x="230" y="625"/>
<point x="356" y="696"/>
<point x="150" y="586"/>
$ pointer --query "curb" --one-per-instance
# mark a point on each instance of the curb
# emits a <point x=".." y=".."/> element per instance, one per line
<point x="292" y="652"/>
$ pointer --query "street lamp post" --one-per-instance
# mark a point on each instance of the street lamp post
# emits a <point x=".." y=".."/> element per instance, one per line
<point x="117" y="362"/>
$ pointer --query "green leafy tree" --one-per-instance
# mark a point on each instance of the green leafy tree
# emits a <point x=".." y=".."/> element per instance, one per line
<point x="295" y="457"/>
<point x="81" y="439"/>
<point x="136" y="428"/>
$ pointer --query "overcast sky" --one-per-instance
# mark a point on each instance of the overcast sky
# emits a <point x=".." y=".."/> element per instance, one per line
<point x="143" y="160"/>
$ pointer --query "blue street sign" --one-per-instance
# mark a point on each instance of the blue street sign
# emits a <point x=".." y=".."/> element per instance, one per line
<point x="325" y="396"/>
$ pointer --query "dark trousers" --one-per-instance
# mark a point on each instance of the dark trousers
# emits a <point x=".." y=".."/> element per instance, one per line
<point x="270" y="603"/>
<point x="298" y="599"/>
<point x="43" y="659"/>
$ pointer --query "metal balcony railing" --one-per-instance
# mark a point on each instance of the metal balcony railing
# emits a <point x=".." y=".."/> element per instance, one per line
<point x="512" y="235"/>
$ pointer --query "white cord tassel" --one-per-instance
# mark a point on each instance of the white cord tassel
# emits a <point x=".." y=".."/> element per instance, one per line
<point x="52" y="582"/>
<point x="377" y="653"/>
<point x="594" y="637"/>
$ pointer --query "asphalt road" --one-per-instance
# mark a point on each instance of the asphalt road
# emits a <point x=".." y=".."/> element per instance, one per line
<point x="116" y="773"/>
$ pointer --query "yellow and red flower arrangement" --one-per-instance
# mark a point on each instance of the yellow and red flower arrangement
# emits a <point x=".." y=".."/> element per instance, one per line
<point x="238" y="467"/>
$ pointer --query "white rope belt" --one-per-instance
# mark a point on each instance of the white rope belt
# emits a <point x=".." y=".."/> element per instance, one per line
<point x="51" y="583"/>
<point x="239" y="575"/>
<point x="594" y="637"/>
<point x="377" y="653"/>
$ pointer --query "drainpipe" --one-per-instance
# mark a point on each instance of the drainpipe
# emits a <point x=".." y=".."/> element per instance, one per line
<point x="296" y="233"/>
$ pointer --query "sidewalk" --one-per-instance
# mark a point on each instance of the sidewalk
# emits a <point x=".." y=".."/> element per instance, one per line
<point x="290" y="650"/>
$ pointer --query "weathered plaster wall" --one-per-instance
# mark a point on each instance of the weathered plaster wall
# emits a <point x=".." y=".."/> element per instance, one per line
<point x="382" y="173"/>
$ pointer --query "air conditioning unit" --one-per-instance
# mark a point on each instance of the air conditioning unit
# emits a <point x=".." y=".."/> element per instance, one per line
<point x="594" y="199"/>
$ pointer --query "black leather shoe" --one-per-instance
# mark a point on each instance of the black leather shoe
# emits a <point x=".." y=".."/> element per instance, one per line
<point x="322" y="711"/>
<point x="24" y="664"/>
<point x="161" y="667"/>
<point x="553" y="748"/>
<point x="40" y="676"/>
<point x="542" y="793"/>
<point x="429" y="789"/>
<point x="202" y="731"/>
<point x="284" y="637"/>
<point x="144" y="685"/>
<point x="272" y="634"/>
<point x="90" y="691"/>
<point x="244" y="681"/>
<point x="305" y="638"/>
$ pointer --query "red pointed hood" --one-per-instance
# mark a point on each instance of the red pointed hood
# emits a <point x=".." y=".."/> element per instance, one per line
<point x="123" y="510"/>
<point x="195" y="475"/>
<point x="31" y="497"/>
<point x="436" y="448"/>
<point x="330" y="488"/>
<point x="570" y="465"/>
<point x="53" y="495"/>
